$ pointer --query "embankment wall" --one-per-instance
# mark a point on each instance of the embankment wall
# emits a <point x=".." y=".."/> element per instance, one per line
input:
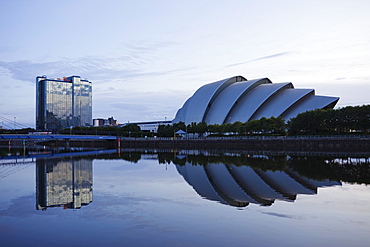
<point x="332" y="144"/>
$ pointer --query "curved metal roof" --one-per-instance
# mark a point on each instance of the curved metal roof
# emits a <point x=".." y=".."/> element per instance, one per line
<point x="229" y="97"/>
<point x="181" y="113"/>
<point x="237" y="99"/>
<point x="281" y="102"/>
<point x="310" y="103"/>
<point x="201" y="101"/>
<point x="251" y="102"/>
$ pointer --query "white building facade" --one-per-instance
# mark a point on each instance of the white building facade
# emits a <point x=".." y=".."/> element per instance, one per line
<point x="238" y="99"/>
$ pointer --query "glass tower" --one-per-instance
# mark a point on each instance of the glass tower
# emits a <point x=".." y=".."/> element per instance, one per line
<point x="62" y="103"/>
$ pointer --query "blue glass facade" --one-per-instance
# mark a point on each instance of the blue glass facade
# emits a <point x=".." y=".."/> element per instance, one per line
<point x="62" y="103"/>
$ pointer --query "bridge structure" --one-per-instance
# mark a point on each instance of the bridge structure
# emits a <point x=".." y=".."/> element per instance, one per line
<point x="54" y="137"/>
<point x="29" y="140"/>
<point x="8" y="140"/>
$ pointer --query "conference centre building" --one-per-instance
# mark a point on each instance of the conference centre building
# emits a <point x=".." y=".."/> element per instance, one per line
<point x="238" y="99"/>
<point x="62" y="103"/>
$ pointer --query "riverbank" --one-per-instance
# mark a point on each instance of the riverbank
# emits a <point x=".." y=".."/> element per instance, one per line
<point x="344" y="144"/>
<point x="323" y="144"/>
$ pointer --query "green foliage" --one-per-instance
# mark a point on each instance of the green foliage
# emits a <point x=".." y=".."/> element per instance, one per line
<point x="215" y="128"/>
<point x="192" y="128"/>
<point x="270" y="126"/>
<point x="17" y="131"/>
<point x="165" y="131"/>
<point x="129" y="130"/>
<point x="179" y="126"/>
<point x="329" y="122"/>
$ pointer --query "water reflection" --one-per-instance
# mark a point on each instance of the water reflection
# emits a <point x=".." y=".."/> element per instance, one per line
<point x="63" y="183"/>
<point x="236" y="179"/>
<point x="155" y="198"/>
<point x="240" y="185"/>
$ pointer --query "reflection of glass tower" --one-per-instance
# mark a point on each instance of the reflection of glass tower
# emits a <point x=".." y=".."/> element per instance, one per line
<point x="63" y="182"/>
<point x="63" y="102"/>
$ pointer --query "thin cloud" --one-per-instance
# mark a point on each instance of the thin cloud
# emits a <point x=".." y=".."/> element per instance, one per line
<point x="97" y="68"/>
<point x="134" y="108"/>
<point x="263" y="58"/>
<point x="138" y="56"/>
<point x="26" y="70"/>
<point x="134" y="48"/>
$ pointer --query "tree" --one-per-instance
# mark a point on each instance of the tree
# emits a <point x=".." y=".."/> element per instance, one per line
<point x="253" y="126"/>
<point x="131" y="128"/>
<point x="344" y="120"/>
<point x="165" y="130"/>
<point x="236" y="127"/>
<point x="179" y="126"/>
<point x="192" y="127"/>
<point x="226" y="128"/>
<point x="201" y="128"/>
<point x="215" y="128"/>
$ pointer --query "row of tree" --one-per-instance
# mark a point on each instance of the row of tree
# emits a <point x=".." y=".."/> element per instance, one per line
<point x="271" y="126"/>
<point x="350" y="119"/>
<point x="130" y="130"/>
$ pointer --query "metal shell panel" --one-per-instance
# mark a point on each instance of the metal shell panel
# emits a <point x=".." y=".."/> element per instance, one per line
<point x="310" y="103"/>
<point x="236" y="99"/>
<point x="253" y="100"/>
<point x="282" y="101"/>
<point x="202" y="99"/>
<point x="228" y="98"/>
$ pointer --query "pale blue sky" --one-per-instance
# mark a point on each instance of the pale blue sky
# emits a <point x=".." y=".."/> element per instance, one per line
<point x="145" y="58"/>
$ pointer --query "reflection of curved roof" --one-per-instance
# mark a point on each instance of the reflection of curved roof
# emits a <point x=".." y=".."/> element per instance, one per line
<point x="237" y="99"/>
<point x="241" y="185"/>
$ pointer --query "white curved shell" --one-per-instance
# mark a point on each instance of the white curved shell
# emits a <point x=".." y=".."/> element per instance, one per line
<point x="230" y="97"/>
<point x="281" y="102"/>
<point x="237" y="99"/>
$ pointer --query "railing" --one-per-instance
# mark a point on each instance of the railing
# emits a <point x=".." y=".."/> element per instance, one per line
<point x="87" y="137"/>
<point x="315" y="137"/>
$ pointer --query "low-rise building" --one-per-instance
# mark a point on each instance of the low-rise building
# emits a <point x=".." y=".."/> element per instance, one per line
<point x="99" y="122"/>
<point x="150" y="126"/>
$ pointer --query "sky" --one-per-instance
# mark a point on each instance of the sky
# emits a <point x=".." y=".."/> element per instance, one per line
<point x="146" y="58"/>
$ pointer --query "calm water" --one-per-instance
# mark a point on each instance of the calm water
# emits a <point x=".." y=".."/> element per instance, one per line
<point x="184" y="198"/>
